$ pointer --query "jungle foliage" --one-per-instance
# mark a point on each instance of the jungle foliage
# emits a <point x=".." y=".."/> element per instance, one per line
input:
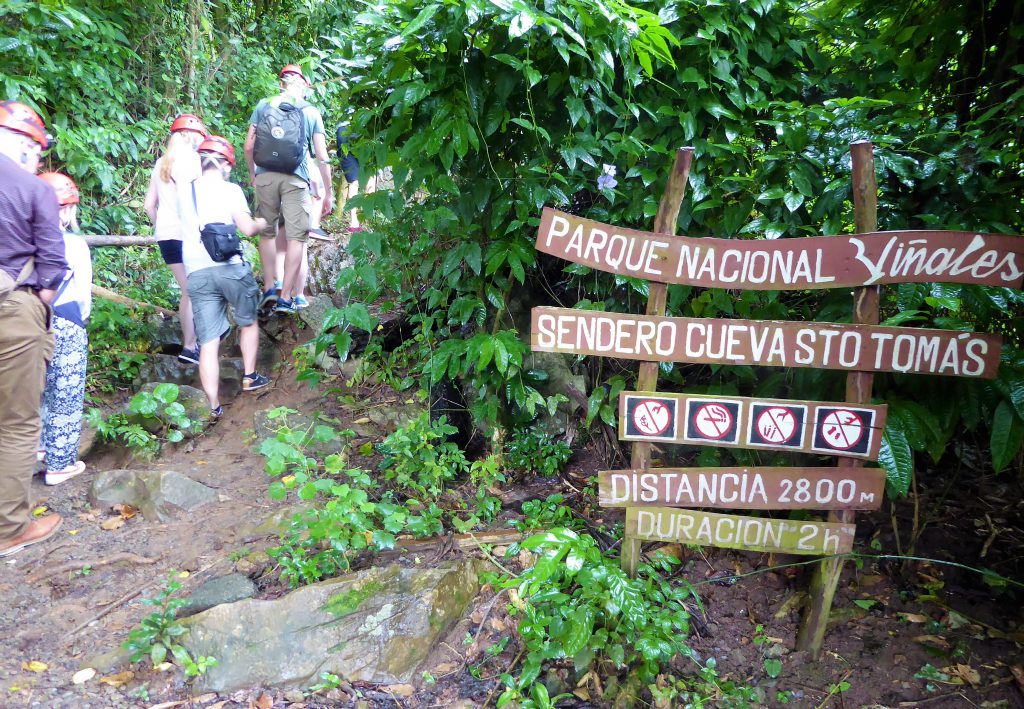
<point x="486" y="112"/>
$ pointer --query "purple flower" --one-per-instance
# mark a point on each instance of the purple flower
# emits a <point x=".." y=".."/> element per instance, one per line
<point x="606" y="180"/>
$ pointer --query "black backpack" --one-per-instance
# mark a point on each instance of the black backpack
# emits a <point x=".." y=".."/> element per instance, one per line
<point x="281" y="141"/>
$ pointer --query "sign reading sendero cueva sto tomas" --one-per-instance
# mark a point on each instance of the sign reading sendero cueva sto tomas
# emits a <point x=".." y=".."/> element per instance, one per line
<point x="787" y="264"/>
<point x="663" y="524"/>
<point x="766" y="342"/>
<point x="745" y="488"/>
<point x="832" y="428"/>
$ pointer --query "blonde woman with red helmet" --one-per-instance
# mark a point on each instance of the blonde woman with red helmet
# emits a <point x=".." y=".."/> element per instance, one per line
<point x="178" y="165"/>
<point x="64" y="394"/>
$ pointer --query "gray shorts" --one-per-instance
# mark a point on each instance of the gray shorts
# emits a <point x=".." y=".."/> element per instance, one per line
<point x="213" y="289"/>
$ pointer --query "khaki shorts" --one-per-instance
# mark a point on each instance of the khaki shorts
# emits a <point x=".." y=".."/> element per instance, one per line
<point x="213" y="289"/>
<point x="281" y="197"/>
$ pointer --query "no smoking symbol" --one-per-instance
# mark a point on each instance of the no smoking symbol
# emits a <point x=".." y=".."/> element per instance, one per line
<point x="776" y="424"/>
<point x="651" y="417"/>
<point x="713" y="421"/>
<point x="842" y="429"/>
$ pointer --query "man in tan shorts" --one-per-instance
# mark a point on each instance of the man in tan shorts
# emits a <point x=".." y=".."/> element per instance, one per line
<point x="283" y="131"/>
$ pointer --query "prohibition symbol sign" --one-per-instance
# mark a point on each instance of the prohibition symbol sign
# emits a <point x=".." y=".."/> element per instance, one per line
<point x="651" y="417"/>
<point x="842" y="429"/>
<point x="713" y="421"/>
<point x="776" y="424"/>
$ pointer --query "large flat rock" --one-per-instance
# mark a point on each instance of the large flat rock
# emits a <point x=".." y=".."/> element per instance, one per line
<point x="161" y="495"/>
<point x="376" y="625"/>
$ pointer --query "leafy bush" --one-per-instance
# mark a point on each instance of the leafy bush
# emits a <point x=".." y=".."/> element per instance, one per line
<point x="576" y="603"/>
<point x="159" y="633"/>
<point x="531" y="450"/>
<point x="322" y="541"/>
<point x="151" y="419"/>
<point x="418" y="458"/>
<point x="118" y="342"/>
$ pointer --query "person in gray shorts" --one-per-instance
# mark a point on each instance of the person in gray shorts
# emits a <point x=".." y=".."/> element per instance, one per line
<point x="213" y="285"/>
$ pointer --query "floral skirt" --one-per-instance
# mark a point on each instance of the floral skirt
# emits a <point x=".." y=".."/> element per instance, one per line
<point x="64" y="395"/>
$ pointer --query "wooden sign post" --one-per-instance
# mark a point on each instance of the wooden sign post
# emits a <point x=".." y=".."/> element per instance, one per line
<point x="657" y="500"/>
<point x="858" y="391"/>
<point x="665" y="222"/>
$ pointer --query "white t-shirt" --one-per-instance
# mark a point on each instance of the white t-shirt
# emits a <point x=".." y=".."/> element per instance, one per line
<point x="217" y="200"/>
<point x="79" y="275"/>
<point x="185" y="169"/>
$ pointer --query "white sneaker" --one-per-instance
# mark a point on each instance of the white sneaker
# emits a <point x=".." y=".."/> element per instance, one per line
<point x="56" y="477"/>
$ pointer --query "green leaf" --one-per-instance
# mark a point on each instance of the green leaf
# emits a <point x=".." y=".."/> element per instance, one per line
<point x="521" y="24"/>
<point x="166" y="393"/>
<point x="773" y="666"/>
<point x="897" y="459"/>
<point x="1007" y="436"/>
<point x="793" y="200"/>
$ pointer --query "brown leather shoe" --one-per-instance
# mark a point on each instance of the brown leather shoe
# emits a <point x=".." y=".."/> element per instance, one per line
<point x="38" y="530"/>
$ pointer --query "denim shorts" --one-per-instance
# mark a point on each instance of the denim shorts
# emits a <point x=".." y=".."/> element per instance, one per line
<point x="213" y="289"/>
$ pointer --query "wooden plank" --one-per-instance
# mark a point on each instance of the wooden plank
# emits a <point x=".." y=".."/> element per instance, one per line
<point x="744" y="488"/>
<point x="827" y="427"/>
<point x="665" y="222"/>
<point x="663" y="524"/>
<point x="766" y="342"/>
<point x="858" y="391"/>
<point x="116" y="240"/>
<point x="787" y="264"/>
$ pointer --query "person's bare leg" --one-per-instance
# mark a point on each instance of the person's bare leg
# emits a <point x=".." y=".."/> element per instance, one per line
<point x="268" y="256"/>
<point x="351" y="191"/>
<point x="188" y="326"/>
<point x="281" y="244"/>
<point x="209" y="371"/>
<point x="304" y="269"/>
<point x="249" y="342"/>
<point x="292" y="264"/>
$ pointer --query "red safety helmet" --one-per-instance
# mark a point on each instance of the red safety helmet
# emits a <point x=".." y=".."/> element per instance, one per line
<point x="187" y="121"/>
<point x="64" y="186"/>
<point x="293" y="69"/>
<point x="220" y="146"/>
<point x="22" y="119"/>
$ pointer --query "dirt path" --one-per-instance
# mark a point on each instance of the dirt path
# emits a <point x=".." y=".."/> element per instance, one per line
<point x="888" y="630"/>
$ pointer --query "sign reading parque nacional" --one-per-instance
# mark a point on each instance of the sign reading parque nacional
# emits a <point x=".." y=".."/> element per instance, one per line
<point x="663" y="524"/>
<point x="770" y="343"/>
<point x="831" y="428"/>
<point x="786" y="264"/>
<point x="745" y="488"/>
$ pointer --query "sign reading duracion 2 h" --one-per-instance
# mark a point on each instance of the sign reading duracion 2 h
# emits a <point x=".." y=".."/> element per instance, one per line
<point x="831" y="428"/>
<point x="786" y="264"/>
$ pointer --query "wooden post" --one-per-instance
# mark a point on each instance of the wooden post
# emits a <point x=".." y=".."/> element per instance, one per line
<point x="116" y="240"/>
<point x="664" y="223"/>
<point x="858" y="391"/>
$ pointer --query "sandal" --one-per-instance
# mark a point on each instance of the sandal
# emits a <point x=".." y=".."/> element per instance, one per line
<point x="56" y="477"/>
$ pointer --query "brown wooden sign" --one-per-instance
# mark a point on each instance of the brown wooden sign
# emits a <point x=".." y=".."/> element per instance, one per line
<point x="745" y="488"/>
<point x="663" y="524"/>
<point x="833" y="428"/>
<point x="766" y="342"/>
<point x="787" y="264"/>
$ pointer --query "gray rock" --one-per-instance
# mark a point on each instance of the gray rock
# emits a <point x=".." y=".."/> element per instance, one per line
<point x="277" y="522"/>
<point x="377" y="625"/>
<point x="161" y="495"/>
<point x="266" y="427"/>
<point x="87" y="443"/>
<point x="108" y="662"/>
<point x="166" y="330"/>
<point x="561" y="380"/>
<point x="389" y="418"/>
<point x="158" y="368"/>
<point x="314" y="315"/>
<point x="223" y="589"/>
